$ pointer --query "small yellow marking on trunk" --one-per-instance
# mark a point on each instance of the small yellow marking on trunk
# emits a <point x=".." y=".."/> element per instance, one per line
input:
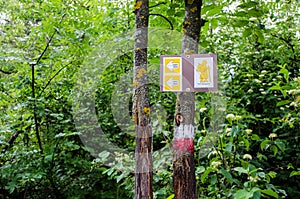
<point x="141" y="72"/>
<point x="138" y="5"/>
<point x="135" y="83"/>
<point x="147" y="110"/>
<point x="194" y="9"/>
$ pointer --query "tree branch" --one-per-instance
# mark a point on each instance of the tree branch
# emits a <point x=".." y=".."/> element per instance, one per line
<point x="294" y="59"/>
<point x="48" y="43"/>
<point x="160" y="15"/>
<point x="6" y="72"/>
<point x="33" y="87"/>
<point x="11" y="141"/>
<point x="49" y="81"/>
<point x="286" y="41"/>
<point x="34" y="110"/>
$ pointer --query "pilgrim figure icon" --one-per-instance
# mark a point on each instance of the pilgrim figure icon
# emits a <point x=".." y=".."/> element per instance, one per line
<point x="204" y="71"/>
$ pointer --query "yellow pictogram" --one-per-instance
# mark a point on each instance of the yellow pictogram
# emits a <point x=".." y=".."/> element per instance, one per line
<point x="172" y="83"/>
<point x="204" y="70"/>
<point x="172" y="65"/>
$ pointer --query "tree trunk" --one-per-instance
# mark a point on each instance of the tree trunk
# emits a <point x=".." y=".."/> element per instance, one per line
<point x="184" y="180"/>
<point x="141" y="106"/>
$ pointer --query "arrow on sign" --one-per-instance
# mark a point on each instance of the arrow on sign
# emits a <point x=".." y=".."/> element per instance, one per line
<point x="171" y="83"/>
<point x="172" y="65"/>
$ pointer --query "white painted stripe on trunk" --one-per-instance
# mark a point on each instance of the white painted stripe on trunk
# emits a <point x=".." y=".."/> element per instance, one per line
<point x="184" y="131"/>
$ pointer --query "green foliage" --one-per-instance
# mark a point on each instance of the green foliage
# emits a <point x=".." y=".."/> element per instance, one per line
<point x="258" y="64"/>
<point x="254" y="155"/>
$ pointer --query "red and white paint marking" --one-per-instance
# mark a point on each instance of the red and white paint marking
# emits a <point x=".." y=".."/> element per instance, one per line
<point x="184" y="138"/>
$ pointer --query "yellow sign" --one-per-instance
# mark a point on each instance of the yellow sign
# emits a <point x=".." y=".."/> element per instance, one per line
<point x="172" y="74"/>
<point x="172" y="65"/>
<point x="172" y="83"/>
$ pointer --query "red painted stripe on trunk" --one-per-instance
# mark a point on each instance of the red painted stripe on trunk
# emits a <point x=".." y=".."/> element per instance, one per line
<point x="184" y="145"/>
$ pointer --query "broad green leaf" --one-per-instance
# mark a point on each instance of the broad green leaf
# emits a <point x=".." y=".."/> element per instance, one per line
<point x="214" y="23"/>
<point x="254" y="189"/>
<point x="227" y="175"/>
<point x="241" y="23"/>
<point x="284" y="102"/>
<point x="234" y="130"/>
<point x="60" y="135"/>
<point x="285" y="73"/>
<point x="280" y="145"/>
<point x="242" y="194"/>
<point x="290" y="166"/>
<point x="265" y="144"/>
<point x="214" y="11"/>
<point x="171" y="196"/>
<point x="295" y="173"/>
<point x="256" y="195"/>
<point x="274" y="149"/>
<point x="275" y="88"/>
<point x="255" y="137"/>
<point x="246" y="143"/>
<point x="255" y="13"/>
<point x="213" y="179"/>
<point x="228" y="147"/>
<point x="269" y="192"/>
<point x="272" y="174"/>
<point x="67" y="134"/>
<point x="247" y="32"/>
<point x="254" y="170"/>
<point x="200" y="169"/>
<point x="205" y="174"/>
<point x="261" y="174"/>
<point x="248" y="4"/>
<point x="207" y="8"/>
<point x="240" y="170"/>
<point x="120" y="177"/>
<point x="260" y="36"/>
<point x="240" y="14"/>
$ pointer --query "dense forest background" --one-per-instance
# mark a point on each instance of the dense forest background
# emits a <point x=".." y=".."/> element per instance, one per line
<point x="63" y="60"/>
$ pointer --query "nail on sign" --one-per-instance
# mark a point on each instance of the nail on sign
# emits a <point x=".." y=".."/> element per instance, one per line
<point x="188" y="73"/>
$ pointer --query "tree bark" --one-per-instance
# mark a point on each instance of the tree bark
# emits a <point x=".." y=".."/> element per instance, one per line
<point x="141" y="105"/>
<point x="184" y="180"/>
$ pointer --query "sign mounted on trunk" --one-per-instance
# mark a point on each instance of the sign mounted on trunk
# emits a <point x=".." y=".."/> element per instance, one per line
<point x="172" y="78"/>
<point x="188" y="73"/>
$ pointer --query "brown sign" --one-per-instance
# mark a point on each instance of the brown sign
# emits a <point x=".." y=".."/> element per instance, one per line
<point x="188" y="73"/>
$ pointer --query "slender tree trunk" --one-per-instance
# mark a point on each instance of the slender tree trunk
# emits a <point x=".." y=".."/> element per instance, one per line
<point x="37" y="133"/>
<point x="141" y="106"/>
<point x="184" y="180"/>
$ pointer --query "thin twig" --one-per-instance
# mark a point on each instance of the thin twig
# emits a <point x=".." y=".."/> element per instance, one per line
<point x="48" y="43"/>
<point x="49" y="81"/>
<point x="11" y="141"/>
<point x="160" y="15"/>
<point x="5" y="72"/>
